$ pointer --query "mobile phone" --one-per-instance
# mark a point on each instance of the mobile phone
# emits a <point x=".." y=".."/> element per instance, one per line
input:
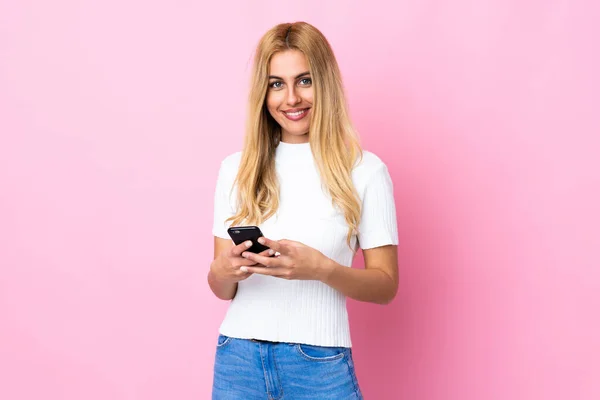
<point x="240" y="234"/>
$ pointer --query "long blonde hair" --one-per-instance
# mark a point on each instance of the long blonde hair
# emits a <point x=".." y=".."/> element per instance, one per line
<point x="332" y="137"/>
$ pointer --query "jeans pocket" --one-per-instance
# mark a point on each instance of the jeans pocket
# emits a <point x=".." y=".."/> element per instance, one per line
<point x="223" y="340"/>
<point x="320" y="353"/>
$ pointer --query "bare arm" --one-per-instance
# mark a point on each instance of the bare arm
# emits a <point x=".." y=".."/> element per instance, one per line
<point x="223" y="289"/>
<point x="225" y="273"/>
<point x="377" y="283"/>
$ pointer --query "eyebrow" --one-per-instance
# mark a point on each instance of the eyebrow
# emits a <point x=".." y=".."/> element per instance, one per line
<point x="296" y="77"/>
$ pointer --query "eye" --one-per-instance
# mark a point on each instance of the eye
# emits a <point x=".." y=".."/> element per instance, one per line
<point x="276" y="85"/>
<point x="305" y="81"/>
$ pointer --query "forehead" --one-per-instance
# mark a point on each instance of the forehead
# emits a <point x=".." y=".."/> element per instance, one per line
<point x="288" y="63"/>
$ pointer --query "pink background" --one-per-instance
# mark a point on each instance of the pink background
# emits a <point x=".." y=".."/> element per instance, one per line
<point x="114" y="116"/>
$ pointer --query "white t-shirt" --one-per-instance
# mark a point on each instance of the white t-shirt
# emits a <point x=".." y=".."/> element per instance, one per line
<point x="305" y="311"/>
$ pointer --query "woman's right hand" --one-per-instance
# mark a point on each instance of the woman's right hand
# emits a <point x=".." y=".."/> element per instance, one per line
<point x="226" y="267"/>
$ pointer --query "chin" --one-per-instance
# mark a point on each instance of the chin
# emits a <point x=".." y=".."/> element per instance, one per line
<point x="299" y="131"/>
<point x="298" y="134"/>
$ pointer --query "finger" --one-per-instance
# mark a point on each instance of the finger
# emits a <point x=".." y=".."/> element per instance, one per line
<point x="267" y="253"/>
<point x="240" y="248"/>
<point x="276" y="271"/>
<point x="242" y="262"/>
<point x="277" y="246"/>
<point x="266" y="261"/>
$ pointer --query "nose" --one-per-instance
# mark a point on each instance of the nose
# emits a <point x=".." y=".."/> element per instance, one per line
<point x="292" y="97"/>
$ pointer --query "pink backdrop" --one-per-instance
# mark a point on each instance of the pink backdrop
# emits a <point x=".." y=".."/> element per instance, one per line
<point x="114" y="116"/>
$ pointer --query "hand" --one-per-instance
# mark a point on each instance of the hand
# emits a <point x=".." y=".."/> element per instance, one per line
<point x="226" y="267"/>
<point x="295" y="261"/>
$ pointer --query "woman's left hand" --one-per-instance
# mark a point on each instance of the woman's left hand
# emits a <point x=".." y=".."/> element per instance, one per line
<point x="295" y="261"/>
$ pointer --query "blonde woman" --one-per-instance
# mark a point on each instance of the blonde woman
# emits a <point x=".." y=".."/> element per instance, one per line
<point x="303" y="179"/>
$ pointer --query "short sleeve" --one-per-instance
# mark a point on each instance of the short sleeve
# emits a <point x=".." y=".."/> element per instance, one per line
<point x="378" y="225"/>
<point x="222" y="202"/>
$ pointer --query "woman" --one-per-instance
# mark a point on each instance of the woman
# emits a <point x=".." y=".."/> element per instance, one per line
<point x="317" y="197"/>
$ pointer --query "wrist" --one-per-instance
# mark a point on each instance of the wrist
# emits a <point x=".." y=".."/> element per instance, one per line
<point x="326" y="269"/>
<point x="215" y="269"/>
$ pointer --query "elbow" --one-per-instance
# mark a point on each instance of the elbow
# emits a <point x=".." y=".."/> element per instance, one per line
<point x="386" y="300"/>
<point x="388" y="295"/>
<point x="389" y="291"/>
<point x="223" y="295"/>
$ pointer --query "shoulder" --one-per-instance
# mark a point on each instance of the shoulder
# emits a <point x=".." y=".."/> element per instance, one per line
<point x="368" y="171"/>
<point x="230" y="165"/>
<point x="228" y="169"/>
<point x="369" y="164"/>
<point x="232" y="161"/>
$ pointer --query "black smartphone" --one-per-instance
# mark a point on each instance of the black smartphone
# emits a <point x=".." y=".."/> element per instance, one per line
<point x="240" y="234"/>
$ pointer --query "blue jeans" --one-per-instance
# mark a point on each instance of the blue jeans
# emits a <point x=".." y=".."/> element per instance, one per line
<point x="253" y="369"/>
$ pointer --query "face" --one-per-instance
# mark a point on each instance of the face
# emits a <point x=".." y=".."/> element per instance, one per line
<point x="290" y="95"/>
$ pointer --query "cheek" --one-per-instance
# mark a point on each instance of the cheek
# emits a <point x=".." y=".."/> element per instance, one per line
<point x="272" y="104"/>
<point x="308" y="95"/>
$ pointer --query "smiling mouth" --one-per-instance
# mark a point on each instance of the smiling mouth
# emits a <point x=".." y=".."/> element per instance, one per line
<point x="296" y="113"/>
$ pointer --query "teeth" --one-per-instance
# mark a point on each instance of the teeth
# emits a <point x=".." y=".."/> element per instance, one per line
<point x="295" y="114"/>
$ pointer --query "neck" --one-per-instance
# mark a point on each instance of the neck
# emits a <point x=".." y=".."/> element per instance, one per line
<point x="294" y="139"/>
